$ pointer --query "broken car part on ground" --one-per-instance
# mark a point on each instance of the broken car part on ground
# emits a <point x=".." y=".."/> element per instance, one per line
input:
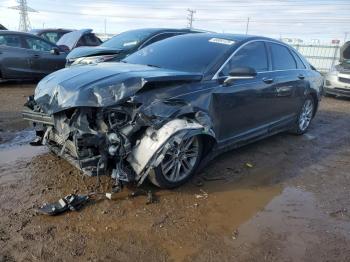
<point x="168" y="108"/>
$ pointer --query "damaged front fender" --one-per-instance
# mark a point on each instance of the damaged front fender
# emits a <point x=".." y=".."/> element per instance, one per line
<point x="150" y="149"/>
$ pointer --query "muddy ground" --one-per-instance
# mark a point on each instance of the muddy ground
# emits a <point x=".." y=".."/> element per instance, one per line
<point x="282" y="199"/>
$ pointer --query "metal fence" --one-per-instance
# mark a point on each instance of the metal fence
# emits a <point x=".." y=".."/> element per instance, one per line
<point x="322" y="57"/>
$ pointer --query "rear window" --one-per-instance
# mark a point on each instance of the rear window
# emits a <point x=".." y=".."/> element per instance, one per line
<point x="10" y="40"/>
<point x="282" y="59"/>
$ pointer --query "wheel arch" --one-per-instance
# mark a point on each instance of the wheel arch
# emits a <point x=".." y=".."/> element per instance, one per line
<point x="149" y="150"/>
<point x="314" y="96"/>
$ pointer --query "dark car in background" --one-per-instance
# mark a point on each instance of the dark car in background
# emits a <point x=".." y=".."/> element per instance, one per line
<point x="122" y="45"/>
<point x="51" y="34"/>
<point x="175" y="104"/>
<point x="83" y="37"/>
<point x="26" y="56"/>
<point x="337" y="81"/>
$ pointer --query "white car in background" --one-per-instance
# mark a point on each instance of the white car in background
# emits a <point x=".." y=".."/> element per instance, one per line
<point x="337" y="81"/>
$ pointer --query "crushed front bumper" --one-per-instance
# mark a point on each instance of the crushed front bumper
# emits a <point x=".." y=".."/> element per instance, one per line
<point x="65" y="148"/>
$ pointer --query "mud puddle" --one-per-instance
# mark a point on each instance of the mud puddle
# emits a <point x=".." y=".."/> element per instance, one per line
<point x="10" y="139"/>
<point x="296" y="218"/>
<point x="16" y="154"/>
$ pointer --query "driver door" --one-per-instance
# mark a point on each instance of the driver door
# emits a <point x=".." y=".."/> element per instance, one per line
<point x="244" y="108"/>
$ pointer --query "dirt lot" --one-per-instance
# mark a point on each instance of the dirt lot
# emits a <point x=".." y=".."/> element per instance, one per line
<point x="282" y="199"/>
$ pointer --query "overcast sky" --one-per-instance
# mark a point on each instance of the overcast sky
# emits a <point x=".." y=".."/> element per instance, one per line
<point x="308" y="19"/>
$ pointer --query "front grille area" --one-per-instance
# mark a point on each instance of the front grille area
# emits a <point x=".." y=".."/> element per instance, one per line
<point x="344" y="80"/>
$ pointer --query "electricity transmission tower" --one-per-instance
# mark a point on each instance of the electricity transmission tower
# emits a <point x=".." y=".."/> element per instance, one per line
<point x="24" y="23"/>
<point x="190" y="17"/>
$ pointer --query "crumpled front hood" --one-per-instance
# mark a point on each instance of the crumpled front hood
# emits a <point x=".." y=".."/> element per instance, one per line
<point x="92" y="51"/>
<point x="100" y="85"/>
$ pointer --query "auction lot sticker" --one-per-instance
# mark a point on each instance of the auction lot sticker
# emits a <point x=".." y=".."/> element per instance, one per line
<point x="221" y="41"/>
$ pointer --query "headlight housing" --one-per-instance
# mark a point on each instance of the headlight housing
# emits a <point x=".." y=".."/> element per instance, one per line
<point x="92" y="60"/>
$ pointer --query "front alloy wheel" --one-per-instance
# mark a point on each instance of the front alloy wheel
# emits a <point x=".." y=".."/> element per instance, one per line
<point x="179" y="163"/>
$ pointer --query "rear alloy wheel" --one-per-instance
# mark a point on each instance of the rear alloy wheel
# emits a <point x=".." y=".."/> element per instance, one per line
<point x="305" y="116"/>
<point x="179" y="163"/>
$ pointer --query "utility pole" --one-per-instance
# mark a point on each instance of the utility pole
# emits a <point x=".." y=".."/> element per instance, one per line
<point x="105" y="26"/>
<point x="247" y="26"/>
<point x="190" y="18"/>
<point x="24" y="23"/>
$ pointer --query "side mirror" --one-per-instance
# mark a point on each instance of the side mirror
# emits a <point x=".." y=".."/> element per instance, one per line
<point x="55" y="51"/>
<point x="240" y="73"/>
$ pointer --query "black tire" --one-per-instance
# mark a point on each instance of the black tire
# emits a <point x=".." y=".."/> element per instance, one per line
<point x="304" y="113"/>
<point x="162" y="180"/>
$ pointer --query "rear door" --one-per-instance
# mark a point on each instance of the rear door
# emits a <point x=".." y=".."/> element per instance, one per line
<point x="289" y="83"/>
<point x="42" y="61"/>
<point x="14" y="60"/>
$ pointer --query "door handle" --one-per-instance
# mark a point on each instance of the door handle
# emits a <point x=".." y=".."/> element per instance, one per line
<point x="36" y="56"/>
<point x="267" y="80"/>
<point x="301" y="76"/>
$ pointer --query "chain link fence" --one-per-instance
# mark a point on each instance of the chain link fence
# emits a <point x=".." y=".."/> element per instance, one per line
<point x="322" y="57"/>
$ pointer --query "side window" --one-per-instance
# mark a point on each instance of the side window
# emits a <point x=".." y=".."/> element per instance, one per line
<point x="10" y="40"/>
<point x="252" y="55"/>
<point x="300" y="64"/>
<point x="282" y="59"/>
<point x="37" y="44"/>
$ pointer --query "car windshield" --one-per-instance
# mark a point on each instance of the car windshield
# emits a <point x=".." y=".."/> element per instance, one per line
<point x="190" y="53"/>
<point x="128" y="40"/>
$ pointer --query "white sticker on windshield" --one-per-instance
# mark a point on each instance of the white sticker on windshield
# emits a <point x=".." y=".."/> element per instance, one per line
<point x="130" y="43"/>
<point x="221" y="41"/>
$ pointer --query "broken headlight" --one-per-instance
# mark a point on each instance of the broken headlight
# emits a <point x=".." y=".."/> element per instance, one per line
<point x="92" y="60"/>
